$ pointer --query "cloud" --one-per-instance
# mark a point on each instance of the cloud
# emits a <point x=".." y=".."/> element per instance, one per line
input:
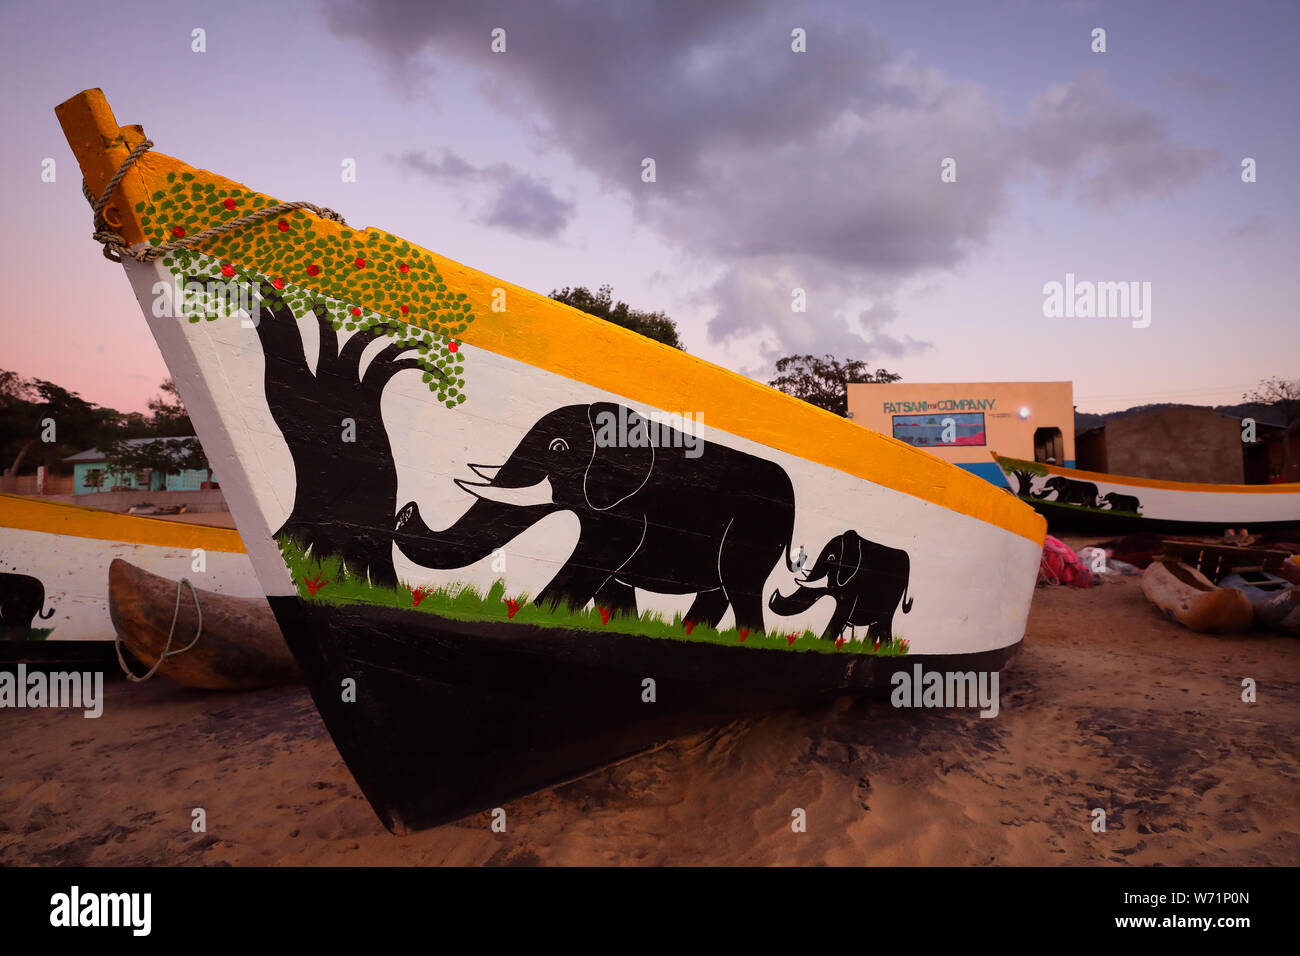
<point x="1211" y="89"/>
<point x="1082" y="133"/>
<point x="521" y="204"/>
<point x="817" y="170"/>
<point x="1254" y="226"/>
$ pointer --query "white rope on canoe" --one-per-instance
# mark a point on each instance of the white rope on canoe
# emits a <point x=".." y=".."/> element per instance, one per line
<point x="115" y="247"/>
<point x="167" y="651"/>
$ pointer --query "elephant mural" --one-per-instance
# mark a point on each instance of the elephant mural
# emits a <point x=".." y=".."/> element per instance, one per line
<point x="21" y="599"/>
<point x="660" y="510"/>
<point x="1118" y="502"/>
<point x="1069" y="491"/>
<point x="867" y="581"/>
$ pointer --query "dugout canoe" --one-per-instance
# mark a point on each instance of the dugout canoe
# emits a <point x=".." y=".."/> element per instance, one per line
<point x="1075" y="500"/>
<point x="554" y="543"/>
<point x="1274" y="600"/>
<point x="206" y="640"/>
<point x="1187" y="596"/>
<point x="54" y="561"/>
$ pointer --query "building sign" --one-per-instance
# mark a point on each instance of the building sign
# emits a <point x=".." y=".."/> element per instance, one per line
<point x="943" y="405"/>
<point x="932" y="431"/>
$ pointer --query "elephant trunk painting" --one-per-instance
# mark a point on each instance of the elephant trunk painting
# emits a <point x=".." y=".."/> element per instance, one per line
<point x="866" y="580"/>
<point x="656" y="512"/>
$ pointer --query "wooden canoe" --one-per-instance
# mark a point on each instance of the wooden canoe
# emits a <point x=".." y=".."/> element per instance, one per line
<point x="622" y="572"/>
<point x="54" y="560"/>
<point x="1193" y="600"/>
<point x="237" y="646"/>
<point x="1275" y="600"/>
<point x="1075" y="500"/>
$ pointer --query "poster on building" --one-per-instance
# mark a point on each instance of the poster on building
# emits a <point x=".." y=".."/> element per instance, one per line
<point x="929" y="431"/>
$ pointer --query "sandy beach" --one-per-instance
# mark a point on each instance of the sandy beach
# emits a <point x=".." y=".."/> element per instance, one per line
<point x="1108" y="705"/>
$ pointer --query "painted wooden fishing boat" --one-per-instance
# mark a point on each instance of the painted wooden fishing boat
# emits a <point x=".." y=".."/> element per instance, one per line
<point x="1072" y="499"/>
<point x="624" y="574"/>
<point x="54" y="561"/>
<point x="1187" y="596"/>
<point x="194" y="637"/>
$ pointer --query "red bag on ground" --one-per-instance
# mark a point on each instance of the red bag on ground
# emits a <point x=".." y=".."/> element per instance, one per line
<point x="1060" y="565"/>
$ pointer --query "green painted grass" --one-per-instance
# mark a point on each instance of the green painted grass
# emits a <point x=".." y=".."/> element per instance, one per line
<point x="467" y="603"/>
<point x="25" y="633"/>
<point x="1074" y="507"/>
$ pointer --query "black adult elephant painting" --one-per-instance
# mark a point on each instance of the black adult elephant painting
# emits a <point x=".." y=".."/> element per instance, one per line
<point x="867" y="580"/>
<point x="21" y="599"/>
<point x="659" y="510"/>
<point x="1071" y="492"/>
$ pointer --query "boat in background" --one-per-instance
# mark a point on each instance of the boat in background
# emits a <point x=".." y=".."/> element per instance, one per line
<point x="54" y="561"/>
<point x="1187" y="596"/>
<point x="196" y="638"/>
<point x="1075" y="500"/>
<point x="625" y="573"/>
<point x="1275" y="600"/>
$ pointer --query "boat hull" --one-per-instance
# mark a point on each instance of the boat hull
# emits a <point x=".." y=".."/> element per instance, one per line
<point x="1188" y="597"/>
<point x="54" y="576"/>
<point x="452" y="717"/>
<point x="1075" y="500"/>
<point x="236" y="643"/>
<point x="491" y="517"/>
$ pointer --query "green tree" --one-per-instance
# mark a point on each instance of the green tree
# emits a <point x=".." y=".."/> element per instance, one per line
<point x="174" y="448"/>
<point x="653" y="325"/>
<point x="1284" y="395"/>
<point x="824" y="381"/>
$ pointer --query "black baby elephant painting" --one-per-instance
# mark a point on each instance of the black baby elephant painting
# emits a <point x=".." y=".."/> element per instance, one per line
<point x="21" y="599"/>
<point x="867" y="581"/>
<point x="1118" y="502"/>
<point x="659" y="510"/>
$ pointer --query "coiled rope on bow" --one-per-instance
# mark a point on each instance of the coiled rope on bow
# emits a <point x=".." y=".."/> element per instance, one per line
<point x="167" y="648"/>
<point x="115" y="247"/>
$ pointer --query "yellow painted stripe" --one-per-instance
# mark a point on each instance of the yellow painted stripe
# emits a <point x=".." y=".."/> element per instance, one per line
<point x="552" y="336"/>
<point x="52" y="517"/>
<point x="1279" y="489"/>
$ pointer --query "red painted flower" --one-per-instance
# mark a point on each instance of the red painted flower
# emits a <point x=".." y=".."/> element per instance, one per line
<point x="512" y="607"/>
<point x="359" y="262"/>
<point x="452" y="347"/>
<point x="355" y="310"/>
<point x="313" y="270"/>
<point x="313" y="586"/>
<point x="403" y="268"/>
<point x="229" y="204"/>
<point x="790" y="639"/>
<point x="284" y="225"/>
<point x="605" y="613"/>
<point x="839" y="642"/>
<point x="689" y="625"/>
<point x="278" y="283"/>
<point x="178" y="231"/>
<point x="405" y="309"/>
<point x="227" y="271"/>
<point x="744" y="633"/>
<point x="418" y="595"/>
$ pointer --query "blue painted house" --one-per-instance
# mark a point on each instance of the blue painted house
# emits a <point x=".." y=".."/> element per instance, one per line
<point x="90" y="475"/>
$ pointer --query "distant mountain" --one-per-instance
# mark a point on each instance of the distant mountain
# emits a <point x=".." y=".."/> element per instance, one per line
<point x="1265" y="414"/>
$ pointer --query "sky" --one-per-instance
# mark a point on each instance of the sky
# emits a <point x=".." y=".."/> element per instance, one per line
<point x="775" y="170"/>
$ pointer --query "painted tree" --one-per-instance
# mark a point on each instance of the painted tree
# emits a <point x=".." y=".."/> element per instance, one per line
<point x="345" y="494"/>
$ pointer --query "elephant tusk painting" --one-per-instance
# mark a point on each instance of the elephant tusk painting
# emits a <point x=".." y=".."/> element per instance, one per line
<point x="619" y="540"/>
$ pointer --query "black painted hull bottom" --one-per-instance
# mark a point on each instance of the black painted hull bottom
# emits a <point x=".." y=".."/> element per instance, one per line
<point x="454" y="717"/>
